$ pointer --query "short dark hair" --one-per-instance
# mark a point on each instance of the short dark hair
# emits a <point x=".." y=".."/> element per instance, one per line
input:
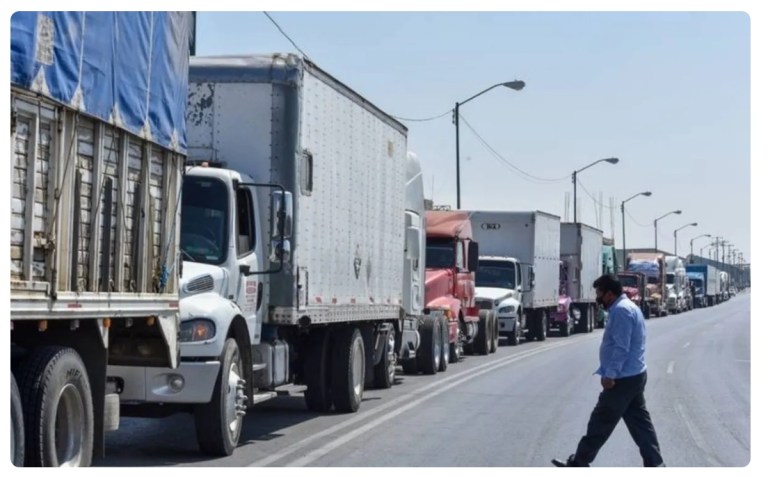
<point x="608" y="283"/>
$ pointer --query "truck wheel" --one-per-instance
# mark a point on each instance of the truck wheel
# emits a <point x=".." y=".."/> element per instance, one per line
<point x="541" y="325"/>
<point x="483" y="339"/>
<point x="514" y="338"/>
<point x="58" y="410"/>
<point x="17" y="426"/>
<point x="348" y="365"/>
<point x="316" y="372"/>
<point x="445" y="346"/>
<point x="456" y="350"/>
<point x="565" y="327"/>
<point x="430" y="349"/>
<point x="219" y="422"/>
<point x="494" y="333"/>
<point x="384" y="372"/>
<point x="591" y="319"/>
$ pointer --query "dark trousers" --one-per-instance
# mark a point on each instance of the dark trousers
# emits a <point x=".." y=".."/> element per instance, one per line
<point x="625" y="401"/>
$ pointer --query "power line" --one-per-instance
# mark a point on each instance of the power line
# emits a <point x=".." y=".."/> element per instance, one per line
<point x="635" y="221"/>
<point x="591" y="196"/>
<point x="425" y="119"/>
<point x="286" y="35"/>
<point x="504" y="160"/>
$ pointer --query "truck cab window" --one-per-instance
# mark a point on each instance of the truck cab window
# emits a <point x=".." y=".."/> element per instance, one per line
<point x="204" y="220"/>
<point x="246" y="233"/>
<point x="440" y="254"/>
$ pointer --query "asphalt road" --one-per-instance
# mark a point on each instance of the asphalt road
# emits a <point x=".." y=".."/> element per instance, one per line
<point x="517" y="408"/>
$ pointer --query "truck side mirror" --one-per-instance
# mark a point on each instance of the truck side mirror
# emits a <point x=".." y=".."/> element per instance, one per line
<point x="474" y="256"/>
<point x="412" y="243"/>
<point x="282" y="215"/>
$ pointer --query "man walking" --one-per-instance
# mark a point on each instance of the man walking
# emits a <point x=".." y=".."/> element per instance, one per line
<point x="623" y="376"/>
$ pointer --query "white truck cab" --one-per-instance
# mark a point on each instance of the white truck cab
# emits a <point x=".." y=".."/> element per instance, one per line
<point x="498" y="287"/>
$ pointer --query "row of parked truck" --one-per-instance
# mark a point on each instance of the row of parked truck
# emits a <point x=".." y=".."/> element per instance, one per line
<point x="663" y="284"/>
<point x="203" y="234"/>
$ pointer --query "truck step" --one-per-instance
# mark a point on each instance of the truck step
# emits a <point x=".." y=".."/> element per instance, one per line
<point x="288" y="389"/>
<point x="259" y="367"/>
<point x="262" y="396"/>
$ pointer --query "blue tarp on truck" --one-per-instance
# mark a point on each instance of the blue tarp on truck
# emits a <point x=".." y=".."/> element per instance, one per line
<point x="128" y="68"/>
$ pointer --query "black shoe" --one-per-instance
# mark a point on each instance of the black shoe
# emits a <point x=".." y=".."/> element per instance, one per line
<point x="570" y="462"/>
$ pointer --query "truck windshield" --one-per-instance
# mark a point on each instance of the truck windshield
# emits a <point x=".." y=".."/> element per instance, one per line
<point x="440" y="254"/>
<point x="653" y="280"/>
<point x="495" y="274"/>
<point x="204" y="220"/>
<point x="628" y="281"/>
<point x="670" y="278"/>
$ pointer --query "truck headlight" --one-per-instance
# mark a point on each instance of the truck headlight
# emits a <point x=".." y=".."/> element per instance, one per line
<point x="507" y="310"/>
<point x="198" y="329"/>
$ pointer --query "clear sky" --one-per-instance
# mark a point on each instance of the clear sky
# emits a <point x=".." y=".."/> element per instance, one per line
<point x="666" y="93"/>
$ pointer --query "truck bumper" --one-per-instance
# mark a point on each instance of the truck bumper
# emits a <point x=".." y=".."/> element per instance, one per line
<point x="191" y="383"/>
<point x="507" y="323"/>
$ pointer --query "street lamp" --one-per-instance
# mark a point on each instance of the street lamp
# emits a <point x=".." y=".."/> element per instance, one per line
<point x="611" y="160"/>
<point x="656" y="229"/>
<point x="623" y="227"/>
<point x="698" y="237"/>
<point x="517" y="86"/>
<point x="694" y="224"/>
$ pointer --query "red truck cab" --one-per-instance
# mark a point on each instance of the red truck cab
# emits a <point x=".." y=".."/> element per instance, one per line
<point x="451" y="262"/>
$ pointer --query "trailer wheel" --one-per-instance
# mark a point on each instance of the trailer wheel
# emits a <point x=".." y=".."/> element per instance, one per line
<point x="384" y="372"/>
<point x="219" y="422"/>
<point x="445" y="346"/>
<point x="318" y="396"/>
<point x="430" y="349"/>
<point x="58" y="409"/>
<point x="494" y="333"/>
<point x="541" y="325"/>
<point x="456" y="350"/>
<point x="483" y="339"/>
<point x="348" y="365"/>
<point x="17" y="426"/>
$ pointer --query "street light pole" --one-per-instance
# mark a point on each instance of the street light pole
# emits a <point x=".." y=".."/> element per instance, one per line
<point x="610" y="160"/>
<point x="656" y="228"/>
<point x="517" y="86"/>
<point x="694" y="238"/>
<point x="623" y="226"/>
<point x="692" y="224"/>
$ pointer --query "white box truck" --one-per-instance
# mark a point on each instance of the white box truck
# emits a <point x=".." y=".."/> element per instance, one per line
<point x="97" y="152"/>
<point x="527" y="246"/>
<point x="294" y="242"/>
<point x="581" y="252"/>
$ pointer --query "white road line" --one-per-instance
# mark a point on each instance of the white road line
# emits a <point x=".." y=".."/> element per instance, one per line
<point x="686" y="345"/>
<point x="367" y="415"/>
<point x="671" y="367"/>
<point x="698" y="439"/>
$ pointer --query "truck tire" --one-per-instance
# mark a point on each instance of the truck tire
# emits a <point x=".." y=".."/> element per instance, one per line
<point x="348" y="369"/>
<point x="384" y="372"/>
<point x="513" y="338"/>
<point x="17" y="426"/>
<point x="482" y="342"/>
<point x="218" y="423"/>
<point x="317" y="376"/>
<point x="58" y="408"/>
<point x="494" y="333"/>
<point x="430" y="349"/>
<point x="541" y="325"/>
<point x="566" y="328"/>
<point x="591" y="319"/>
<point x="456" y="350"/>
<point x="445" y="346"/>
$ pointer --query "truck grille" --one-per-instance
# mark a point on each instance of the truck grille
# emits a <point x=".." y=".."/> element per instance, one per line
<point x="484" y="304"/>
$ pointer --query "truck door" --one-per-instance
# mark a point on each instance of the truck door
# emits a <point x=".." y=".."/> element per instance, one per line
<point x="250" y="288"/>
